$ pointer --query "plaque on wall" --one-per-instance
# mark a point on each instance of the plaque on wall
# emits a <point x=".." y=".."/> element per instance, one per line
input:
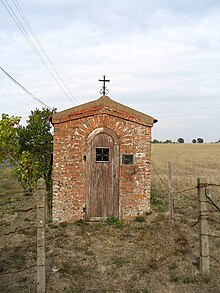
<point x="127" y="159"/>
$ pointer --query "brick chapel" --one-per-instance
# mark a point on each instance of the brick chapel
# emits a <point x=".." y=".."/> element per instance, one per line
<point x="101" y="162"/>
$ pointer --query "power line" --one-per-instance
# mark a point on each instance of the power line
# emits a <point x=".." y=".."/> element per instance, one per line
<point x="21" y="12"/>
<point x="22" y="29"/>
<point x="24" y="89"/>
<point x="17" y="21"/>
<point x="8" y="93"/>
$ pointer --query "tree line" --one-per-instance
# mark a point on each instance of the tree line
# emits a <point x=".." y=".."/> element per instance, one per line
<point x="179" y="140"/>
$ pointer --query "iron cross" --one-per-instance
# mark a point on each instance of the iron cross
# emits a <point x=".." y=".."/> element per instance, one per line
<point x="104" y="90"/>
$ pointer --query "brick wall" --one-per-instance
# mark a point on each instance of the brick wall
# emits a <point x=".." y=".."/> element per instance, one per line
<point x="69" y="169"/>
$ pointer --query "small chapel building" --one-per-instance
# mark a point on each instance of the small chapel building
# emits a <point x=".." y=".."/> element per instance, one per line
<point x="101" y="162"/>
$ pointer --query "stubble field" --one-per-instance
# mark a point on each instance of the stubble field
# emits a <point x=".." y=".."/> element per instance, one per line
<point x="188" y="161"/>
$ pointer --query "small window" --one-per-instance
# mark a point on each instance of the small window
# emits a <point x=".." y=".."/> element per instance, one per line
<point x="102" y="154"/>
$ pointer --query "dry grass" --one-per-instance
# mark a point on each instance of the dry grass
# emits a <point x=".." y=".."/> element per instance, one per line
<point x="189" y="161"/>
<point x="149" y="255"/>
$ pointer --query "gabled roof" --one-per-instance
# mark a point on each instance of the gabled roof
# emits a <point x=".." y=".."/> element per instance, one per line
<point x="103" y="104"/>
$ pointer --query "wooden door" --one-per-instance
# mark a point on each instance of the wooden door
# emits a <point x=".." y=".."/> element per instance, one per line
<point x="102" y="177"/>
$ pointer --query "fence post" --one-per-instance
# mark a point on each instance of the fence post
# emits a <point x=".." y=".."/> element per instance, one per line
<point x="41" y="256"/>
<point x="203" y="229"/>
<point x="170" y="191"/>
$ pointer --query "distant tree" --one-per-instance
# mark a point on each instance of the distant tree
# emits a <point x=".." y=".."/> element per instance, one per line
<point x="200" y="140"/>
<point x="194" y="140"/>
<point x="168" y="141"/>
<point x="180" y="140"/>
<point x="156" y="141"/>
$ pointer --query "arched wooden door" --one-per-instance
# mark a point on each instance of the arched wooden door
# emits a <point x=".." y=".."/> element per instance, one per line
<point x="102" y="198"/>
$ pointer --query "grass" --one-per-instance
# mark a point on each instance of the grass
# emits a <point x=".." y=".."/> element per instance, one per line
<point x="148" y="254"/>
<point x="114" y="222"/>
<point x="19" y="260"/>
<point x="139" y="219"/>
<point x="71" y="269"/>
<point x="120" y="261"/>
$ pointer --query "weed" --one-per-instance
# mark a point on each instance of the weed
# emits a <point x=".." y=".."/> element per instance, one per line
<point x="189" y="279"/>
<point x="63" y="224"/>
<point x="153" y="263"/>
<point x="173" y="266"/>
<point x="80" y="222"/>
<point x="174" y="278"/>
<point x="70" y="268"/>
<point x="111" y="220"/>
<point x="120" y="261"/>
<point x="143" y="270"/>
<point x="119" y="224"/>
<point x="182" y="245"/>
<point x="19" y="260"/>
<point x="155" y="200"/>
<point x="5" y="201"/>
<point x="139" y="219"/>
<point x="115" y="222"/>
<point x="99" y="224"/>
<point x="53" y="226"/>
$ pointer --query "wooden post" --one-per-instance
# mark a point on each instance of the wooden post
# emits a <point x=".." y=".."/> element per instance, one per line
<point x="203" y="229"/>
<point x="170" y="191"/>
<point x="41" y="256"/>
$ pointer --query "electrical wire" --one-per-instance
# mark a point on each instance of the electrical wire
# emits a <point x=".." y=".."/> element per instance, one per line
<point x="21" y="12"/>
<point x="24" y="32"/>
<point x="24" y="89"/>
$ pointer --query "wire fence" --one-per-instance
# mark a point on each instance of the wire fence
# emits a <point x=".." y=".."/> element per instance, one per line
<point x="207" y="215"/>
<point x="20" y="241"/>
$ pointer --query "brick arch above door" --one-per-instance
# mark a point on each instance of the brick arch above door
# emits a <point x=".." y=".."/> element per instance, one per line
<point x="105" y="130"/>
<point x="118" y="126"/>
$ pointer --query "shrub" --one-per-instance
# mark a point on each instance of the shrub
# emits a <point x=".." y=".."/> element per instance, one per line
<point x="155" y="200"/>
<point x="111" y="220"/>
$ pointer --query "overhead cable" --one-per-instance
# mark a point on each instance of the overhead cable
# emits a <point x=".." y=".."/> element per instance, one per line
<point x="21" y="12"/>
<point x="24" y="89"/>
<point x="42" y="55"/>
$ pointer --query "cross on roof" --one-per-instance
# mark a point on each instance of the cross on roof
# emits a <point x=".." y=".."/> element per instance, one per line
<point x="104" y="90"/>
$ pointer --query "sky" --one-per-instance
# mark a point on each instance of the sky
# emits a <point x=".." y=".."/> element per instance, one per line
<point x="162" y="58"/>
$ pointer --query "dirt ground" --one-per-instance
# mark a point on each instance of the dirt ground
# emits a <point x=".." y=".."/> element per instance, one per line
<point x="149" y="254"/>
